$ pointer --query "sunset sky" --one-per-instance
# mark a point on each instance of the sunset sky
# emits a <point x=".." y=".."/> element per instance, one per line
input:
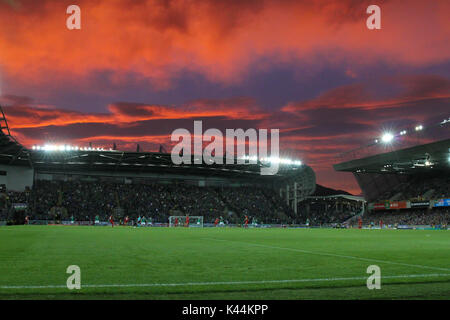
<point x="137" y="70"/>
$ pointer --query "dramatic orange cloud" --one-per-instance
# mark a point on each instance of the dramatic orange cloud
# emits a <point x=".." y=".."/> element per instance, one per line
<point x="137" y="70"/>
<point x="159" y="39"/>
<point x="25" y="115"/>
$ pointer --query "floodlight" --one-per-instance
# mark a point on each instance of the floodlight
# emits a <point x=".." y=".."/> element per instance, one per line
<point x="387" y="137"/>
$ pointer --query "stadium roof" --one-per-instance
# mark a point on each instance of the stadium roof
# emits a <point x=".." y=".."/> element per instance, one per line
<point x="343" y="196"/>
<point x="141" y="162"/>
<point x="422" y="158"/>
<point x="11" y="151"/>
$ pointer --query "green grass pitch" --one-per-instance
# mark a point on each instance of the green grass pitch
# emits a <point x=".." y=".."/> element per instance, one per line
<point x="222" y="263"/>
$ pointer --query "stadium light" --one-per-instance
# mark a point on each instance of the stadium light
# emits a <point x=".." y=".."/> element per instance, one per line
<point x="284" y="161"/>
<point x="445" y="121"/>
<point x="387" y="137"/>
<point x="65" y="148"/>
<point x="48" y="147"/>
<point x="403" y="132"/>
<point x="419" y="127"/>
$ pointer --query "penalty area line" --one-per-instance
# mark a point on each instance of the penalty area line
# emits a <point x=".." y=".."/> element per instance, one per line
<point x="404" y="276"/>
<point x="333" y="255"/>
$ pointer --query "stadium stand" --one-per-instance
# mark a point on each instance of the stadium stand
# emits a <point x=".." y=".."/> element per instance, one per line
<point x="64" y="181"/>
<point x="408" y="183"/>
<point x="324" y="210"/>
<point x="435" y="217"/>
<point x="84" y="200"/>
<point x="420" y="187"/>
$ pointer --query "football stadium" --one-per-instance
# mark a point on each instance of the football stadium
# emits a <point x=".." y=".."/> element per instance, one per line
<point x="224" y="159"/>
<point x="139" y="227"/>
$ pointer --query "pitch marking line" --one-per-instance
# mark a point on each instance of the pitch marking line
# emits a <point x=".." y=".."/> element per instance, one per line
<point x="333" y="255"/>
<point x="224" y="282"/>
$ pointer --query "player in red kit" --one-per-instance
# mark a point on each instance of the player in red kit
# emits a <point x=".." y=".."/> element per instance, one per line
<point x="176" y="222"/>
<point x="381" y="224"/>
<point x="359" y="223"/>
<point x="125" y="221"/>
<point x="216" y="222"/>
<point x="187" y="221"/>
<point x="111" y="220"/>
<point x="246" y="222"/>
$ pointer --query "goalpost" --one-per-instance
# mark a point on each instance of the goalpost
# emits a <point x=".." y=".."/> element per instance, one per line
<point x="180" y="221"/>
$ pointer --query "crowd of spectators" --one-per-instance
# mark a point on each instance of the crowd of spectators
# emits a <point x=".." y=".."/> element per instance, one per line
<point x="417" y="217"/>
<point x="417" y="188"/>
<point x="84" y="200"/>
<point x="328" y="211"/>
<point x="9" y="198"/>
<point x="253" y="202"/>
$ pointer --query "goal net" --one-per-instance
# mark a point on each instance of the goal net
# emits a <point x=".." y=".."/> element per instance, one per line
<point x="181" y="221"/>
